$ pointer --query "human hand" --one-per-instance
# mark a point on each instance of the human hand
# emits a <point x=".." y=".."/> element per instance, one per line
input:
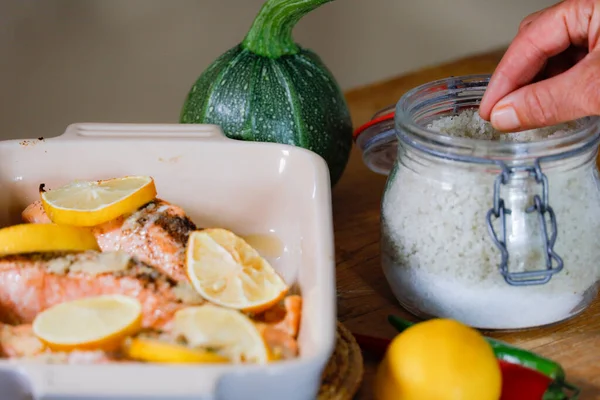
<point x="550" y="72"/>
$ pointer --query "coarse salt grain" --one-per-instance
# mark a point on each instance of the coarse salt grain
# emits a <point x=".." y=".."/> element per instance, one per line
<point x="440" y="260"/>
<point x="468" y="124"/>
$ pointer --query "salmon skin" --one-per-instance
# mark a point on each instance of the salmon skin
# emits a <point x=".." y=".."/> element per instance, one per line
<point x="156" y="234"/>
<point x="32" y="283"/>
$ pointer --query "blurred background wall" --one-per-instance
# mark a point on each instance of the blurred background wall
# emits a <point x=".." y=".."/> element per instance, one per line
<point x="64" y="61"/>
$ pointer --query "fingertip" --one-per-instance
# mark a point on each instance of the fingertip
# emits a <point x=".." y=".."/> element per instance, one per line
<point x="504" y="118"/>
<point x="487" y="102"/>
<point x="497" y="88"/>
<point x="485" y="111"/>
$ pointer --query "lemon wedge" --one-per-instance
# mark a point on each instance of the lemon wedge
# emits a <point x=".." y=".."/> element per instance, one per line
<point x="231" y="333"/>
<point x="158" y="351"/>
<point x="38" y="238"/>
<point x="227" y="271"/>
<point x="90" y="203"/>
<point x="92" y="323"/>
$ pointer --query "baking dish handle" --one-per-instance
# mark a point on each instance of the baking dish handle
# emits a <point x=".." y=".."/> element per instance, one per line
<point x="14" y="385"/>
<point x="143" y="131"/>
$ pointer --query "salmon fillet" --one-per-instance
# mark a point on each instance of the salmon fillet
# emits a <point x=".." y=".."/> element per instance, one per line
<point x="143" y="255"/>
<point x="32" y="283"/>
<point x="279" y="326"/>
<point x="156" y="234"/>
<point x="19" y="342"/>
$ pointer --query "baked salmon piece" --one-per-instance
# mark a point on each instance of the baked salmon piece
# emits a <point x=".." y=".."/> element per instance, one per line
<point x="19" y="342"/>
<point x="32" y="283"/>
<point x="156" y="234"/>
<point x="279" y="326"/>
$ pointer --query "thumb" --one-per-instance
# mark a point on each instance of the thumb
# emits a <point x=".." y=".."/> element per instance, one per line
<point x="568" y="96"/>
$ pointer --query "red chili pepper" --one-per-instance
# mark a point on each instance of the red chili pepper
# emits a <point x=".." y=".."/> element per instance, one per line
<point x="521" y="383"/>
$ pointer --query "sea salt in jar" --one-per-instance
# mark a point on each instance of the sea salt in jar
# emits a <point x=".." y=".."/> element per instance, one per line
<point x="499" y="231"/>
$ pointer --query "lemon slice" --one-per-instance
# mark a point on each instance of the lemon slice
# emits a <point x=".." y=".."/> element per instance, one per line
<point x="158" y="351"/>
<point x="227" y="271"/>
<point x="231" y="333"/>
<point x="95" y="202"/>
<point x="38" y="238"/>
<point x="91" y="323"/>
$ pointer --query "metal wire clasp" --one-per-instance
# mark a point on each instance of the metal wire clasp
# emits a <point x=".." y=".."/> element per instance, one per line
<point x="554" y="263"/>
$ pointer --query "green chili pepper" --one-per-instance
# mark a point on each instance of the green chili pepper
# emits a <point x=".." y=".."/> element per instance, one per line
<point x="515" y="355"/>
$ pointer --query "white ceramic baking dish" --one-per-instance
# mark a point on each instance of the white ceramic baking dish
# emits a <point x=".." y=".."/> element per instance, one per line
<point x="250" y="188"/>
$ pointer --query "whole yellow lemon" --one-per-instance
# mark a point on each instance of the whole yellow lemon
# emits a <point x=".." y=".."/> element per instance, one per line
<point x="440" y="359"/>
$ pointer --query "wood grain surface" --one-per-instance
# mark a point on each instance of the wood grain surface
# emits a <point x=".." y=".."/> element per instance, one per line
<point x="364" y="298"/>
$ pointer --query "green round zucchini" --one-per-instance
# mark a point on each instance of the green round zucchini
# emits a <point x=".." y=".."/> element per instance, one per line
<point x="269" y="89"/>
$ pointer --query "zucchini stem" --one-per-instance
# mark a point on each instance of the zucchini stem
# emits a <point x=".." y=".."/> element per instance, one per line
<point x="271" y="32"/>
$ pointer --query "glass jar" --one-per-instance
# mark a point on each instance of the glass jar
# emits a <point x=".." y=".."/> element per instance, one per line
<point x="377" y="141"/>
<point x="495" y="234"/>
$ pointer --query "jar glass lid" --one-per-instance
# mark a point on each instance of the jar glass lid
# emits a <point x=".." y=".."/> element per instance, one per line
<point x="378" y="142"/>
